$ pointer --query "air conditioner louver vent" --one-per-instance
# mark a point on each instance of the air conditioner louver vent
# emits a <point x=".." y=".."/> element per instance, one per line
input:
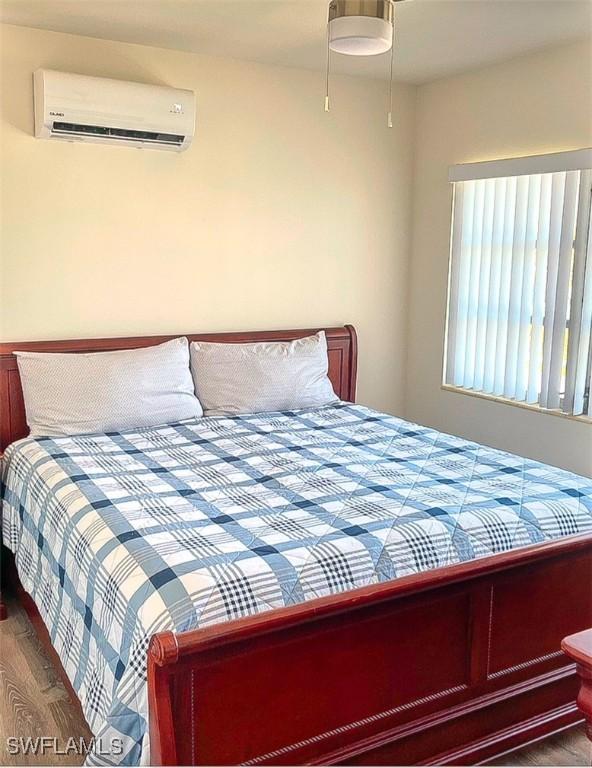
<point x="142" y="137"/>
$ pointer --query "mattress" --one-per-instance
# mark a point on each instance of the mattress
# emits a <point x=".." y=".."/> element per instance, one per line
<point x="118" y="536"/>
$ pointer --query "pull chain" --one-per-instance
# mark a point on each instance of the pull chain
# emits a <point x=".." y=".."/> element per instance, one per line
<point x="390" y="111"/>
<point x="327" y="107"/>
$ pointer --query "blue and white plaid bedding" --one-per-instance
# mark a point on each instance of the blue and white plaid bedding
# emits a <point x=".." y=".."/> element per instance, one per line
<point x="119" y="536"/>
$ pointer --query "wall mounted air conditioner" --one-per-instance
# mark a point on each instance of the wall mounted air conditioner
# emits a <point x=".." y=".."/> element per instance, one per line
<point x="79" y="108"/>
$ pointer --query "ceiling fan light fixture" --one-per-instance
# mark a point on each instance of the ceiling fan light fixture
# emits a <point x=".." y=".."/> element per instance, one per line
<point x="361" y="28"/>
<point x="360" y="35"/>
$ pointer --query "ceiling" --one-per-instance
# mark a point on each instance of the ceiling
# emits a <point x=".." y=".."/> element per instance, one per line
<point x="434" y="37"/>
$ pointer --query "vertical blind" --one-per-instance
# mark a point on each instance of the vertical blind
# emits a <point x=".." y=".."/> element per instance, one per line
<point x="520" y="286"/>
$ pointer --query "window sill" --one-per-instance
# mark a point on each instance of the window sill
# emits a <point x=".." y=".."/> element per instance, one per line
<point x="526" y="406"/>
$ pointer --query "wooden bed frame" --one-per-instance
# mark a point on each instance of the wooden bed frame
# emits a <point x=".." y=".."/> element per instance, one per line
<point x="453" y="665"/>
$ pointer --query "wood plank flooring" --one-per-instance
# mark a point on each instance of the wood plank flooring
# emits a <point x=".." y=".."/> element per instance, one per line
<point x="571" y="747"/>
<point x="34" y="702"/>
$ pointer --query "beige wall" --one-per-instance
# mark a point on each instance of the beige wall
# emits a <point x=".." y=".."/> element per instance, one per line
<point x="279" y="215"/>
<point x="530" y="105"/>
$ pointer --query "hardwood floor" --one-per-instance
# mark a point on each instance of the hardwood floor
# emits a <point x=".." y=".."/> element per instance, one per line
<point x="34" y="702"/>
<point x="571" y="747"/>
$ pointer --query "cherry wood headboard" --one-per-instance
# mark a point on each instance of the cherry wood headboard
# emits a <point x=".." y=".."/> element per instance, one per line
<point x="341" y="343"/>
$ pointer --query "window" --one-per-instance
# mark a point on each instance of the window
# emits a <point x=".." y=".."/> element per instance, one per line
<point x="520" y="286"/>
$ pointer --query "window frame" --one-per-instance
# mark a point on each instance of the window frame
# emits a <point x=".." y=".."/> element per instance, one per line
<point x="550" y="163"/>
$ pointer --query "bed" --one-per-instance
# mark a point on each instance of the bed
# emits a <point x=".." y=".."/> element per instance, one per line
<point x="332" y="585"/>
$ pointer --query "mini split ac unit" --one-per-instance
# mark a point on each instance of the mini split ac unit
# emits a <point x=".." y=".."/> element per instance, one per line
<point x="79" y="108"/>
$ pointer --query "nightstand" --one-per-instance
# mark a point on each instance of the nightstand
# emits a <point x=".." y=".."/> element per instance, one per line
<point x="579" y="648"/>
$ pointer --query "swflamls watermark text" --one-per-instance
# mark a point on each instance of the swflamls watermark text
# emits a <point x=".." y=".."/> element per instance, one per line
<point x="51" y="745"/>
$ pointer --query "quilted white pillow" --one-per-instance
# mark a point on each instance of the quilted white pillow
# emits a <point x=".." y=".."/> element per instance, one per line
<point x="264" y="376"/>
<point x="79" y="393"/>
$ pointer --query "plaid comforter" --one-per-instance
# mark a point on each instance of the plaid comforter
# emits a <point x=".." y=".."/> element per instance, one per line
<point x="119" y="536"/>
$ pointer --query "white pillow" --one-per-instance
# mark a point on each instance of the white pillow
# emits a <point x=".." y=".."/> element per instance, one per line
<point x="77" y="393"/>
<point x="264" y="376"/>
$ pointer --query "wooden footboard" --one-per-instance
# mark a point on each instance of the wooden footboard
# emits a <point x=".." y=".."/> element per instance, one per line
<point x="450" y="666"/>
